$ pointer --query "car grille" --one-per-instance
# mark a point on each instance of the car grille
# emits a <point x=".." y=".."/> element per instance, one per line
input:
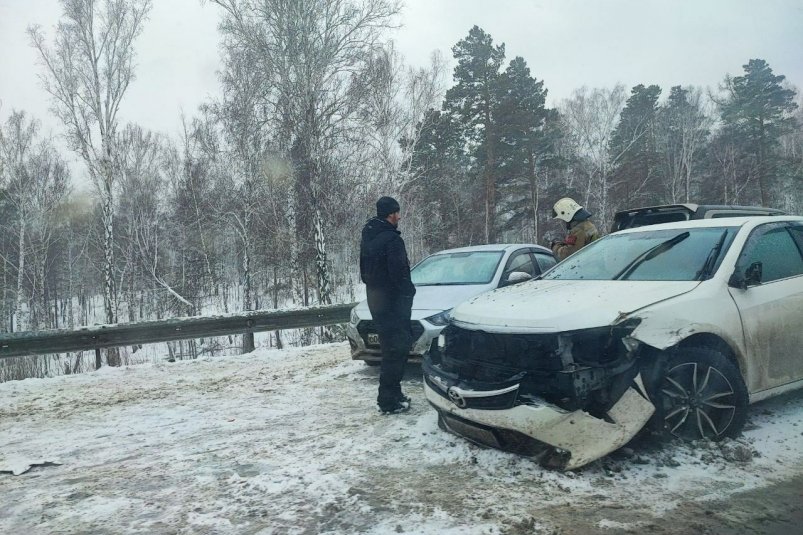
<point x="496" y="402"/>
<point x="482" y="356"/>
<point x="367" y="327"/>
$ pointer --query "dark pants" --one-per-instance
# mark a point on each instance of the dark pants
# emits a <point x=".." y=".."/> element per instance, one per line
<point x="391" y="315"/>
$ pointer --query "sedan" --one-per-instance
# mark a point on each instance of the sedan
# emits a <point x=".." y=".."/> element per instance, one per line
<point x="677" y="326"/>
<point x="443" y="280"/>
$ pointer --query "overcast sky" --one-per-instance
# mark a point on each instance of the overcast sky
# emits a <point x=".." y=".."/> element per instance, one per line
<point x="567" y="43"/>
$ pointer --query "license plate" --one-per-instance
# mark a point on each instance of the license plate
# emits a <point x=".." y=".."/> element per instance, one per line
<point x="373" y="339"/>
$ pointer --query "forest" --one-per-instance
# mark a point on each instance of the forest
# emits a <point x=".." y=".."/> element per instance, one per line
<point x="259" y="203"/>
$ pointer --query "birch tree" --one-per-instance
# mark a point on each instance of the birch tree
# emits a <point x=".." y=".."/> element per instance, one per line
<point x="87" y="71"/>
<point x="143" y="207"/>
<point x="16" y="146"/>
<point x="683" y="130"/>
<point x="590" y="117"/>
<point x="309" y="52"/>
<point x="35" y="181"/>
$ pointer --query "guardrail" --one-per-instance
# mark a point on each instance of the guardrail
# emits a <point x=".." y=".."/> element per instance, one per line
<point x="148" y="332"/>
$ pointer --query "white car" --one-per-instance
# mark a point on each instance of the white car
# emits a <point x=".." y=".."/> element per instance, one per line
<point x="443" y="280"/>
<point x="684" y="324"/>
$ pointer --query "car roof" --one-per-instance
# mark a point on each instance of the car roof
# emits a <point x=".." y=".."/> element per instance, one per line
<point x="716" y="222"/>
<point x="701" y="207"/>
<point x="494" y="247"/>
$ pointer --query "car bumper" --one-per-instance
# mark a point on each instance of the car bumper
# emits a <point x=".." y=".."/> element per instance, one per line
<point x="422" y="344"/>
<point x="558" y="438"/>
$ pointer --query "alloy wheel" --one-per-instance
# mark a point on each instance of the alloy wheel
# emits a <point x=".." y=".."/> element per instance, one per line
<point x="699" y="401"/>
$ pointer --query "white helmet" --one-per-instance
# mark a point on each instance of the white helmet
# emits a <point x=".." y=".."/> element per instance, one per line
<point x="565" y="209"/>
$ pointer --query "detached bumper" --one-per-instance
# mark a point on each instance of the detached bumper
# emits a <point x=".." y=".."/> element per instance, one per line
<point x="561" y="439"/>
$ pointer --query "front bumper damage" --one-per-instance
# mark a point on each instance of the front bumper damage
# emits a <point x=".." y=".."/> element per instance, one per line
<point x="548" y="405"/>
<point x="558" y="438"/>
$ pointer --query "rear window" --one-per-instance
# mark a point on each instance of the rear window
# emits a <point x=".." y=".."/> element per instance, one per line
<point x="626" y="221"/>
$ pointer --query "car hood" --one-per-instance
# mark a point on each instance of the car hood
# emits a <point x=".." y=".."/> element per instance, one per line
<point x="563" y="305"/>
<point x="433" y="299"/>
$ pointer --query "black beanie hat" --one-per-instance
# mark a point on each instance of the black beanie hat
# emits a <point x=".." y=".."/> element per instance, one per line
<point x="386" y="206"/>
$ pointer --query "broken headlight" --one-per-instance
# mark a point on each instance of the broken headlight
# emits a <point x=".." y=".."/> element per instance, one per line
<point x="440" y="319"/>
<point x="602" y="344"/>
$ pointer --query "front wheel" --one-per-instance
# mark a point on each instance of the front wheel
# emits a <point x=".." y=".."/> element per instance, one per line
<point x="700" y="395"/>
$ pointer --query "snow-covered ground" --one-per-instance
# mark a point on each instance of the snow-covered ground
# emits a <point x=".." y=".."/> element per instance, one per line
<point x="289" y="442"/>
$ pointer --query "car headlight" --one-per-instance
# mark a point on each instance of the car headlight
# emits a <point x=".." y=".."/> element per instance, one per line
<point x="441" y="318"/>
<point x="355" y="319"/>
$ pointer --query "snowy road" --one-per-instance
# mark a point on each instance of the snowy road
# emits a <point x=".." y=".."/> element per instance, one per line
<point x="289" y="442"/>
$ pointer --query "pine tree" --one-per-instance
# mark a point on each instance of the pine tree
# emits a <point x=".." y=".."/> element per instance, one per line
<point x="438" y="164"/>
<point x="758" y="108"/>
<point x="473" y="101"/>
<point x="527" y="145"/>
<point x="633" y="152"/>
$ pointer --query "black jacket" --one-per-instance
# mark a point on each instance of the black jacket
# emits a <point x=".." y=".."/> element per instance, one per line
<point x="383" y="259"/>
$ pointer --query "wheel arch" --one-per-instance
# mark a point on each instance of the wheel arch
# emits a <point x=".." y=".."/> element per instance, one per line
<point x="715" y="342"/>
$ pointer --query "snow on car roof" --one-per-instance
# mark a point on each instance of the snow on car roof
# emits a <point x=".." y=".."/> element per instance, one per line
<point x="713" y="222"/>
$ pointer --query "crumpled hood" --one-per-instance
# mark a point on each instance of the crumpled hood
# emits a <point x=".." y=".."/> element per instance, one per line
<point x="430" y="300"/>
<point x="563" y="305"/>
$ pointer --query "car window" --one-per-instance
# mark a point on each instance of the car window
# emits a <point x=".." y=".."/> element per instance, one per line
<point x="520" y="261"/>
<point x="474" y="267"/>
<point x="654" y="255"/>
<point x="797" y="234"/>
<point x="545" y="261"/>
<point x="777" y="251"/>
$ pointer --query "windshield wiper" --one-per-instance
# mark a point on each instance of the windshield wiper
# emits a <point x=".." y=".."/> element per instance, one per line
<point x="711" y="259"/>
<point x="649" y="254"/>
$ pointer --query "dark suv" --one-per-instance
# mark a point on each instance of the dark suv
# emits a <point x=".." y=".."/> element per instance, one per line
<point x="652" y="215"/>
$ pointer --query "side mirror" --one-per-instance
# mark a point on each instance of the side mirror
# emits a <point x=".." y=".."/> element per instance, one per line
<point x="750" y="277"/>
<point x="752" y="274"/>
<point x="517" y="276"/>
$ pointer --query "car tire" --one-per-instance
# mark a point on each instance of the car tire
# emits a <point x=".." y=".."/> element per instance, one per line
<point x="699" y="394"/>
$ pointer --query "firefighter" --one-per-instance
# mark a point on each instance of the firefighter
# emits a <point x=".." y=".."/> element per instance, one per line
<point x="581" y="230"/>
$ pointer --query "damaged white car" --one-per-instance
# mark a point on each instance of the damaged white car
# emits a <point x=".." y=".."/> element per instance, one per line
<point x="680" y="325"/>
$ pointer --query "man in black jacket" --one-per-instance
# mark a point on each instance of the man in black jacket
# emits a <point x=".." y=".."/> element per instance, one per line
<point x="385" y="270"/>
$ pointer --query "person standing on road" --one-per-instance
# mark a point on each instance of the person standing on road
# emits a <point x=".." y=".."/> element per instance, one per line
<point x="385" y="270"/>
<point x="581" y="230"/>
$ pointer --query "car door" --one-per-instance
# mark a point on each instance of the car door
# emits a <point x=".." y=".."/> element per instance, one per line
<point x="772" y="310"/>
<point x="520" y="260"/>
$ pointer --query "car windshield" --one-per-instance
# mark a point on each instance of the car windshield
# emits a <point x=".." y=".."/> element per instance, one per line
<point x="656" y="255"/>
<point x="477" y="267"/>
